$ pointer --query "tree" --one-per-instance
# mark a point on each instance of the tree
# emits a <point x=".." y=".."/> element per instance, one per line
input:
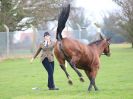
<point x="43" y="11"/>
<point x="78" y="17"/>
<point x="37" y="12"/>
<point x="111" y="28"/>
<point x="125" y="17"/>
<point x="10" y="14"/>
<point x="79" y="22"/>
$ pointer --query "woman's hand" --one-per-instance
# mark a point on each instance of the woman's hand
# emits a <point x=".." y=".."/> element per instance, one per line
<point x="31" y="61"/>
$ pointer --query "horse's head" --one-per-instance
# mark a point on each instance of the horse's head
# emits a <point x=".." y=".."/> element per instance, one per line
<point x="106" y="50"/>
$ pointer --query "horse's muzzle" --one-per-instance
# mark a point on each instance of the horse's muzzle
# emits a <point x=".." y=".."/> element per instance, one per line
<point x="108" y="54"/>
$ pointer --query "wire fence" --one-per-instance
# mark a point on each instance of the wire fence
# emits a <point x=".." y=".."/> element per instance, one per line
<point x="10" y="46"/>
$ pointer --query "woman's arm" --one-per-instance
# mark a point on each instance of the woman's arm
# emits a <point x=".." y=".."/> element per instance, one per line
<point x="36" y="54"/>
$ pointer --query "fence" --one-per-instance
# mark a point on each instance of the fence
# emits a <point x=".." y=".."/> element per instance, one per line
<point x="22" y="43"/>
<point x="10" y="46"/>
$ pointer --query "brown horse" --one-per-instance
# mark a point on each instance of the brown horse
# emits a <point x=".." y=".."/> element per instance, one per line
<point x="79" y="55"/>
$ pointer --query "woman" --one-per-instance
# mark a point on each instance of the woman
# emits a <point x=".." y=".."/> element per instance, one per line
<point x="47" y="59"/>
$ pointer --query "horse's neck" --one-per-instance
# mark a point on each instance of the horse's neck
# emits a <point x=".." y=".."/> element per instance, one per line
<point x="101" y="47"/>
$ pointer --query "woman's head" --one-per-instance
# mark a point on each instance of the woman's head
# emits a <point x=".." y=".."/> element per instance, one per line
<point x="46" y="36"/>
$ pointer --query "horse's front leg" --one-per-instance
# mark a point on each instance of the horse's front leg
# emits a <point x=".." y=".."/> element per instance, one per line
<point x="88" y="75"/>
<point x="72" y="63"/>
<point x="93" y="83"/>
<point x="92" y="77"/>
<point x="68" y="76"/>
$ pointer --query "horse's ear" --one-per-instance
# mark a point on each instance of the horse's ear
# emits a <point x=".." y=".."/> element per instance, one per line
<point x="101" y="37"/>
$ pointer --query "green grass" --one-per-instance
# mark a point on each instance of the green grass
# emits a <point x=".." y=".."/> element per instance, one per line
<point x="115" y="79"/>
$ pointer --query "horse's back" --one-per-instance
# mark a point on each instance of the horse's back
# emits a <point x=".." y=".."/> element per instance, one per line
<point x="72" y="47"/>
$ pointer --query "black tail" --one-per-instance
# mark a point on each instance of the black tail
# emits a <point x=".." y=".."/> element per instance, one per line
<point x="62" y="21"/>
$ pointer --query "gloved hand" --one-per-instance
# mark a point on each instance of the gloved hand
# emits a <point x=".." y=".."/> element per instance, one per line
<point x="31" y="61"/>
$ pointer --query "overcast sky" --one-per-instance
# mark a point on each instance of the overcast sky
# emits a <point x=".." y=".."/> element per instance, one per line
<point x="96" y="9"/>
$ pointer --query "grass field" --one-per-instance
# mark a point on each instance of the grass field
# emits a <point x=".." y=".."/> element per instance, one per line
<point x="115" y="79"/>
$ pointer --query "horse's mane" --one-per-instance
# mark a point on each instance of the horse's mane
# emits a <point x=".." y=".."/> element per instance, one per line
<point x="95" y="42"/>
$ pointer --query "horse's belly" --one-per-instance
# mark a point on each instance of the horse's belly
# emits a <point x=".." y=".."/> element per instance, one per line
<point x="83" y="66"/>
<point x="80" y="67"/>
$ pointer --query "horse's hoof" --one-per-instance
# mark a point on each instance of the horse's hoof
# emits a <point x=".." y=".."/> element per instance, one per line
<point x="81" y="79"/>
<point x="70" y="82"/>
<point x="89" y="90"/>
<point x="96" y="89"/>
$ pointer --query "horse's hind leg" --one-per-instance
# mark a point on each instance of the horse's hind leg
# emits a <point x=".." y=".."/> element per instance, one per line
<point x="72" y="64"/>
<point x="68" y="76"/>
<point x="61" y="61"/>
<point x="62" y="65"/>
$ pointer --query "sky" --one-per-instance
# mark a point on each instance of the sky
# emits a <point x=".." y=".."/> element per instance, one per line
<point x="96" y="9"/>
